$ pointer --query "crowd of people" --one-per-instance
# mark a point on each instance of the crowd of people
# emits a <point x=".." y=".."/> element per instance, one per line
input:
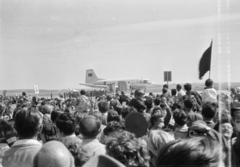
<point x="179" y="127"/>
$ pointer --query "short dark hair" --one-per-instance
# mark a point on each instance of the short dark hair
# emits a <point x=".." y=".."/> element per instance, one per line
<point x="55" y="114"/>
<point x="138" y="92"/>
<point x="128" y="110"/>
<point x="188" y="87"/>
<point x="149" y="102"/>
<point x="112" y="127"/>
<point x="113" y="116"/>
<point x="82" y="92"/>
<point x="28" y="122"/>
<point x="197" y="151"/>
<point x="157" y="101"/>
<point x="188" y="103"/>
<point x="209" y="82"/>
<point x="103" y="106"/>
<point x="165" y="86"/>
<point x="179" y="86"/>
<point x="209" y="110"/>
<point x="50" y="132"/>
<point x="90" y="126"/>
<point x="174" y="92"/>
<point x="3" y="125"/>
<point x="66" y="123"/>
<point x="180" y="117"/>
<point x="164" y="90"/>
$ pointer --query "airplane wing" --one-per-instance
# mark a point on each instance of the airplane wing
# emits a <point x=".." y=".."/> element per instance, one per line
<point x="95" y="86"/>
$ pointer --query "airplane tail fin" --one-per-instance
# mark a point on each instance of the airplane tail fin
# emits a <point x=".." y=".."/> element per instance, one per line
<point x="91" y="77"/>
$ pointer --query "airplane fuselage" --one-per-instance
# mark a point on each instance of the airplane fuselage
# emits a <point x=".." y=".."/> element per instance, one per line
<point x="130" y="81"/>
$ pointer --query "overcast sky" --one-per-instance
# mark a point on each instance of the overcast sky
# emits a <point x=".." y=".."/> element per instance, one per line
<point x="52" y="43"/>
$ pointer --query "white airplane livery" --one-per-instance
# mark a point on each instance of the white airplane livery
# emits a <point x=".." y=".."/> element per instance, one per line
<point x="92" y="80"/>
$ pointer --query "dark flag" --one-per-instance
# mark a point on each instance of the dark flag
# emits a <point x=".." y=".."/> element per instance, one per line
<point x="205" y="62"/>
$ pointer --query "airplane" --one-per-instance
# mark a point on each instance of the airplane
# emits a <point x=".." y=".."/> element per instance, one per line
<point x="125" y="84"/>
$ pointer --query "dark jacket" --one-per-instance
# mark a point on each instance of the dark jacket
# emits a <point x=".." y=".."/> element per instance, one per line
<point x="236" y="151"/>
<point x="138" y="104"/>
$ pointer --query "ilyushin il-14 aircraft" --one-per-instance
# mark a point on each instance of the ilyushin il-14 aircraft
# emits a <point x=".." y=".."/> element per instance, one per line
<point x="123" y="84"/>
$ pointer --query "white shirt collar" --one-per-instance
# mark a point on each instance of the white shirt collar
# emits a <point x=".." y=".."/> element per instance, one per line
<point x="27" y="141"/>
<point x="90" y="140"/>
<point x="105" y="114"/>
<point x="72" y="135"/>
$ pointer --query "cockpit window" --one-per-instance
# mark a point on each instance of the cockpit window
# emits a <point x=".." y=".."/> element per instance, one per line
<point x="145" y="81"/>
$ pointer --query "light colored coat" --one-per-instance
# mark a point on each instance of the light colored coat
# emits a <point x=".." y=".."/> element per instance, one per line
<point x="21" y="154"/>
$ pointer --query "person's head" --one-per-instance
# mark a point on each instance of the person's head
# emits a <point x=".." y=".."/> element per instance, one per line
<point x="226" y="129"/>
<point x="3" y="125"/>
<point x="180" y="117"/>
<point x="235" y="113"/>
<point x="47" y="118"/>
<point x="113" y="103"/>
<point x="80" y="155"/>
<point x="127" y="110"/>
<point x="208" y="111"/>
<point x="236" y="118"/>
<point x="209" y="83"/>
<point x="149" y="102"/>
<point x="187" y="104"/>
<point x="24" y="94"/>
<point x="28" y="123"/>
<point x="188" y="87"/>
<point x="139" y="94"/>
<point x="66" y="123"/>
<point x="109" y="97"/>
<point x="199" y="151"/>
<point x="178" y="87"/>
<point x="53" y="154"/>
<point x="103" y="106"/>
<point x="112" y="116"/>
<point x="174" y="92"/>
<point x="97" y="114"/>
<point x="164" y="90"/>
<point x="176" y="106"/>
<point x="55" y="114"/>
<point x="47" y="109"/>
<point x="82" y="92"/>
<point x="157" y="118"/>
<point x="165" y="86"/>
<point x="126" y="148"/>
<point x="164" y="98"/>
<point x="122" y="93"/>
<point x="10" y="134"/>
<point x="157" y="101"/>
<point x="113" y="126"/>
<point x="49" y="133"/>
<point x="90" y="126"/>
